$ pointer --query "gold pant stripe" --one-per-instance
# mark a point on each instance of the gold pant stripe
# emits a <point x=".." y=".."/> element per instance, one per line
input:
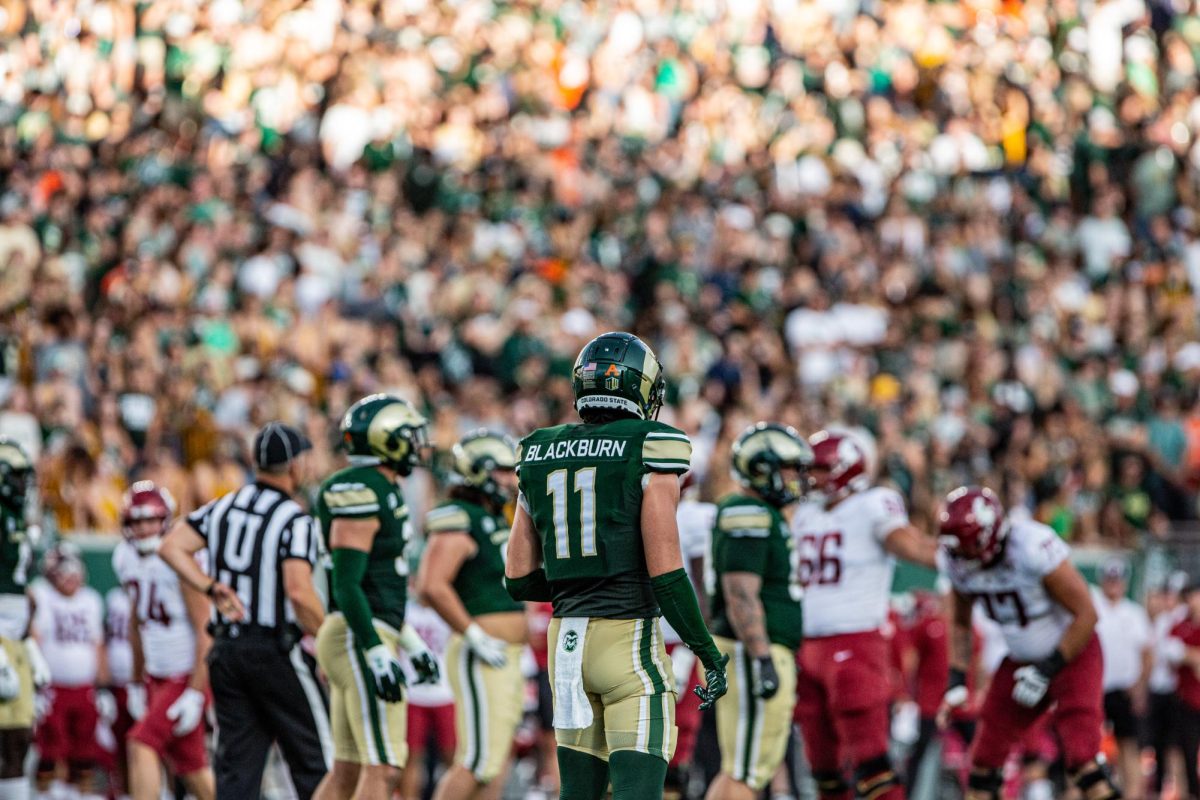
<point x="373" y="738"/>
<point x="476" y="704"/>
<point x="750" y="718"/>
<point x="753" y="732"/>
<point x="488" y="708"/>
<point x="365" y="730"/>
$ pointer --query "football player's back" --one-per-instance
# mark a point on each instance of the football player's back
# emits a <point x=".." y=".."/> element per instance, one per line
<point x="595" y="534"/>
<point x="593" y="473"/>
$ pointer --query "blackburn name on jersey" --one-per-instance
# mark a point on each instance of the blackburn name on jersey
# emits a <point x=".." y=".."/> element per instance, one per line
<point x="582" y="487"/>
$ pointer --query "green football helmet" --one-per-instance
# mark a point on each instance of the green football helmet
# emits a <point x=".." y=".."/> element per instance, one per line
<point x="478" y="454"/>
<point x="617" y="372"/>
<point x="762" y="452"/>
<point x="16" y="472"/>
<point x="385" y="429"/>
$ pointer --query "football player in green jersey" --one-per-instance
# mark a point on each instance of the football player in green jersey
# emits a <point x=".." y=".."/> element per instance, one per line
<point x="366" y="525"/>
<point x="756" y="608"/>
<point x="22" y="667"/>
<point x="595" y="534"/>
<point x="462" y="578"/>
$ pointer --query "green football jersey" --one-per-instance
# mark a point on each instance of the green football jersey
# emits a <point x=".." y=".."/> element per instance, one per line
<point x="582" y="486"/>
<point x="480" y="579"/>
<point x="366" y="493"/>
<point x="15" y="552"/>
<point x="751" y="535"/>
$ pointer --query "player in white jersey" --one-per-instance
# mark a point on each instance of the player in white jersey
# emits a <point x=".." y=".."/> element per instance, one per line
<point x="430" y="705"/>
<point x="69" y="625"/>
<point x="169" y="686"/>
<point x="848" y="536"/>
<point x="117" y="609"/>
<point x="1022" y="576"/>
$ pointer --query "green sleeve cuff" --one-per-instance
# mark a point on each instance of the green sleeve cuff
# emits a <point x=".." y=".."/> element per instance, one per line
<point x="677" y="600"/>
<point x="533" y="587"/>
<point x="349" y="568"/>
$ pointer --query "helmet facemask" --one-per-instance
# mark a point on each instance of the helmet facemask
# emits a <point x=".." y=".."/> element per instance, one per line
<point x="764" y="455"/>
<point x="385" y="430"/>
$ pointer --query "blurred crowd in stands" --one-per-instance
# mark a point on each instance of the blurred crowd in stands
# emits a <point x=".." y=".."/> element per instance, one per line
<point x="970" y="228"/>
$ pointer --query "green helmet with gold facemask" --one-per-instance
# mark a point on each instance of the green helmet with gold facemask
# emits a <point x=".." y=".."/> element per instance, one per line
<point x="16" y="473"/>
<point x="478" y="454"/>
<point x="617" y="374"/>
<point x="761" y="454"/>
<point x="385" y="429"/>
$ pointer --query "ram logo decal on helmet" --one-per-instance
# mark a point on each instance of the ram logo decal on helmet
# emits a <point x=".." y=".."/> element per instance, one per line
<point x="985" y="515"/>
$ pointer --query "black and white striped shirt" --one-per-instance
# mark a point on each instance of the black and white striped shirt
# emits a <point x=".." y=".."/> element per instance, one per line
<point x="249" y="533"/>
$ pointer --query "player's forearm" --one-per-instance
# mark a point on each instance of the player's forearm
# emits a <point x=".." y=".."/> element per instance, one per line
<point x="748" y="620"/>
<point x="103" y="675"/>
<point x="523" y="555"/>
<point x="349" y="568"/>
<point x="199" y="679"/>
<point x="309" y="611"/>
<point x="909" y="544"/>
<point x="697" y="568"/>
<point x="135" y="649"/>
<point x="1143" y="681"/>
<point x="175" y="551"/>
<point x="441" y="597"/>
<point x="1078" y="634"/>
<point x="678" y="603"/>
<point x="960" y="647"/>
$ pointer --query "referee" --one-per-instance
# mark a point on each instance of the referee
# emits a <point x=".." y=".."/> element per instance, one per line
<point x="261" y="550"/>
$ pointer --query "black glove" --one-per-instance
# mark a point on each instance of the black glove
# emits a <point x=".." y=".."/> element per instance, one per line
<point x="764" y="680"/>
<point x="715" y="683"/>
<point x="425" y="666"/>
<point x="385" y="668"/>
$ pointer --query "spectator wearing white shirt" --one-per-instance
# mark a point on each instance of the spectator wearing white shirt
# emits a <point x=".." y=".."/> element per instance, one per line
<point x="1166" y="610"/>
<point x="1127" y="644"/>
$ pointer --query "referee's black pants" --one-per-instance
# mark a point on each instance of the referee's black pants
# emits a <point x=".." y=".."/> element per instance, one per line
<point x="265" y="694"/>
